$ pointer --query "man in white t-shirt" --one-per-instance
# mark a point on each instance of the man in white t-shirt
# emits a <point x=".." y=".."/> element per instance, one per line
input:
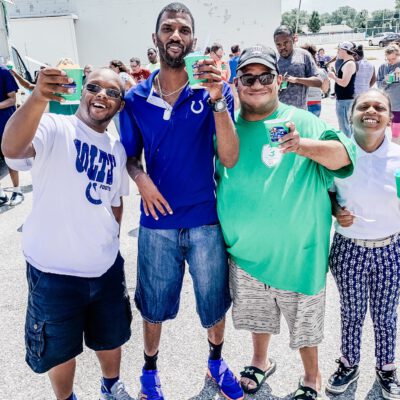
<point x="71" y="238"/>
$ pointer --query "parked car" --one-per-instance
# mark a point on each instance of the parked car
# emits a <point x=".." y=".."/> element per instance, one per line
<point x="393" y="37"/>
<point x="377" y="39"/>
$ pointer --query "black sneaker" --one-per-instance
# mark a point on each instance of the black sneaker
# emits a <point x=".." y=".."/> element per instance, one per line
<point x="3" y="200"/>
<point x="389" y="384"/>
<point x="342" y="378"/>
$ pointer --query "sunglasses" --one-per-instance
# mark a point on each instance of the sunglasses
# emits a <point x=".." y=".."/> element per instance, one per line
<point x="113" y="93"/>
<point x="264" y="78"/>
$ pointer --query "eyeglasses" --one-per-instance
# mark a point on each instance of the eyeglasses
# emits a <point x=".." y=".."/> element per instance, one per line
<point x="113" y="93"/>
<point x="264" y="78"/>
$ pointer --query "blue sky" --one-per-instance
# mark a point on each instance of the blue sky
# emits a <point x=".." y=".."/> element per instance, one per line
<point x="327" y="6"/>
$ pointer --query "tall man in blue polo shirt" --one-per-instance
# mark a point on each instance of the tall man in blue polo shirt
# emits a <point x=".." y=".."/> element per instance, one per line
<point x="176" y="127"/>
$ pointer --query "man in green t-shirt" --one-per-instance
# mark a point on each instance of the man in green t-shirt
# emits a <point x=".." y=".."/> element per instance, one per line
<point x="276" y="216"/>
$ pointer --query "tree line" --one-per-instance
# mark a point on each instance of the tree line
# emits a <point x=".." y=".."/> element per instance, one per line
<point x="361" y="21"/>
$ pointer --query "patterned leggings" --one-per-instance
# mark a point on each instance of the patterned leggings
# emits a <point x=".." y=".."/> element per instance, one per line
<point x="365" y="275"/>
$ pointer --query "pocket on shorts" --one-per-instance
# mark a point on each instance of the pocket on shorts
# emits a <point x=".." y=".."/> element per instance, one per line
<point x="33" y="277"/>
<point x="34" y="337"/>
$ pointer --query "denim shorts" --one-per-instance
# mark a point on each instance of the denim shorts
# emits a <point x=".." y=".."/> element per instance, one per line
<point x="63" y="309"/>
<point x="161" y="266"/>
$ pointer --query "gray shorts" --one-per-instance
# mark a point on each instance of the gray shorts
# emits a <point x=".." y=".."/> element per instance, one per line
<point x="258" y="307"/>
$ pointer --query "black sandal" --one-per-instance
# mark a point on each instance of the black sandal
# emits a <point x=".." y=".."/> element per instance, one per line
<point x="257" y="375"/>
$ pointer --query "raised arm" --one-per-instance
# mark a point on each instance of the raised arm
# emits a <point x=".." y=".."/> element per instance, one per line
<point x="227" y="139"/>
<point x="22" y="126"/>
<point x="329" y="153"/>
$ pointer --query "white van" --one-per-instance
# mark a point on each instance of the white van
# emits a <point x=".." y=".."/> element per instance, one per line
<point x="376" y="40"/>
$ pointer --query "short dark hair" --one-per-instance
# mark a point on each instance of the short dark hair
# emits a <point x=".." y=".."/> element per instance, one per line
<point x="310" y="48"/>
<point x="135" y="60"/>
<point x="360" y="51"/>
<point x="152" y="48"/>
<point x="235" y="48"/>
<point x="215" y="47"/>
<point x="175" y="8"/>
<point x="283" y="30"/>
<point x="120" y="65"/>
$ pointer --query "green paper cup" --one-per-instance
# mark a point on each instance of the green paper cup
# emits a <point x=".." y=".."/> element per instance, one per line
<point x="397" y="176"/>
<point x="390" y="79"/>
<point x="77" y="75"/>
<point x="190" y="62"/>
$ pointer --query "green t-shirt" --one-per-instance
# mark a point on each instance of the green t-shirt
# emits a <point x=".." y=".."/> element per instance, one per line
<point x="276" y="220"/>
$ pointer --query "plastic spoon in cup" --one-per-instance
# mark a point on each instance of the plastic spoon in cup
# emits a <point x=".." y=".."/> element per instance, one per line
<point x="363" y="218"/>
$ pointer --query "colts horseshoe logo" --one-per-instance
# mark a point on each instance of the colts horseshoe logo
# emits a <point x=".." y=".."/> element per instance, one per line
<point x="198" y="110"/>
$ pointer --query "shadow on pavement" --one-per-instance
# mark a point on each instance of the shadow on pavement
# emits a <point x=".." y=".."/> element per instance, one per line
<point x="210" y="391"/>
<point x="375" y="392"/>
<point x="349" y="394"/>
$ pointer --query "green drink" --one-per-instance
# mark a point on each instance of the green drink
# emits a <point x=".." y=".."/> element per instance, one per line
<point x="77" y="75"/>
<point x="284" y="85"/>
<point x="191" y="63"/>
<point x="397" y="176"/>
<point x="390" y="79"/>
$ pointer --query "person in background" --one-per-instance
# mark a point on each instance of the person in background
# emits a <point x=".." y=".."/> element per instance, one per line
<point x="86" y="71"/>
<point x="123" y="72"/>
<point x="8" y="98"/>
<point x="217" y="53"/>
<point x="297" y="67"/>
<point x="364" y="257"/>
<point x="344" y="84"/>
<point x="138" y="73"/>
<point x="322" y="59"/>
<point x="153" y="59"/>
<point x="235" y="49"/>
<point x="365" y="76"/>
<point x="207" y="51"/>
<point x="315" y="94"/>
<point x="389" y="80"/>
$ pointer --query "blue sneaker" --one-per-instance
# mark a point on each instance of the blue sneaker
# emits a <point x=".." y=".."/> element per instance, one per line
<point x="151" y="386"/>
<point x="229" y="386"/>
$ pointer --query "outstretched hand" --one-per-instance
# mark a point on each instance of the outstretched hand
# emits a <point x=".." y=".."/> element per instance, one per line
<point x="50" y="84"/>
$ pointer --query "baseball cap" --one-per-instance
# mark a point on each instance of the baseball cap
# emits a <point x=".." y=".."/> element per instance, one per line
<point x="348" y="46"/>
<point x="258" y="55"/>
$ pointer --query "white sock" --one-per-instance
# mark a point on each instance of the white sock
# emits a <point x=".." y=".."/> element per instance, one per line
<point x="389" y="367"/>
<point x="345" y="362"/>
<point x="17" y="189"/>
<point x="2" y="194"/>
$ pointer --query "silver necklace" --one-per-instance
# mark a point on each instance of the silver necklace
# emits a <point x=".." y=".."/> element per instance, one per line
<point x="168" y="107"/>
<point x="171" y="93"/>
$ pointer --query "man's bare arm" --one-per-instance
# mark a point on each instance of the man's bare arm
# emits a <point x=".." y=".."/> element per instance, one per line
<point x="22" y="126"/>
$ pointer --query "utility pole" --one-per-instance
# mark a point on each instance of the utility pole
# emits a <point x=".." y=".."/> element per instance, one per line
<point x="298" y="17"/>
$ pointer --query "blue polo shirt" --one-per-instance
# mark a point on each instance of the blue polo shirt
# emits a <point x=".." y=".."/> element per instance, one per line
<point x="179" y="151"/>
<point x="7" y="85"/>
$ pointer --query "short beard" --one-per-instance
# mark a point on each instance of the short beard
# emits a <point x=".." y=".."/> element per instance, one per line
<point x="172" y="62"/>
<point x="251" y="110"/>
